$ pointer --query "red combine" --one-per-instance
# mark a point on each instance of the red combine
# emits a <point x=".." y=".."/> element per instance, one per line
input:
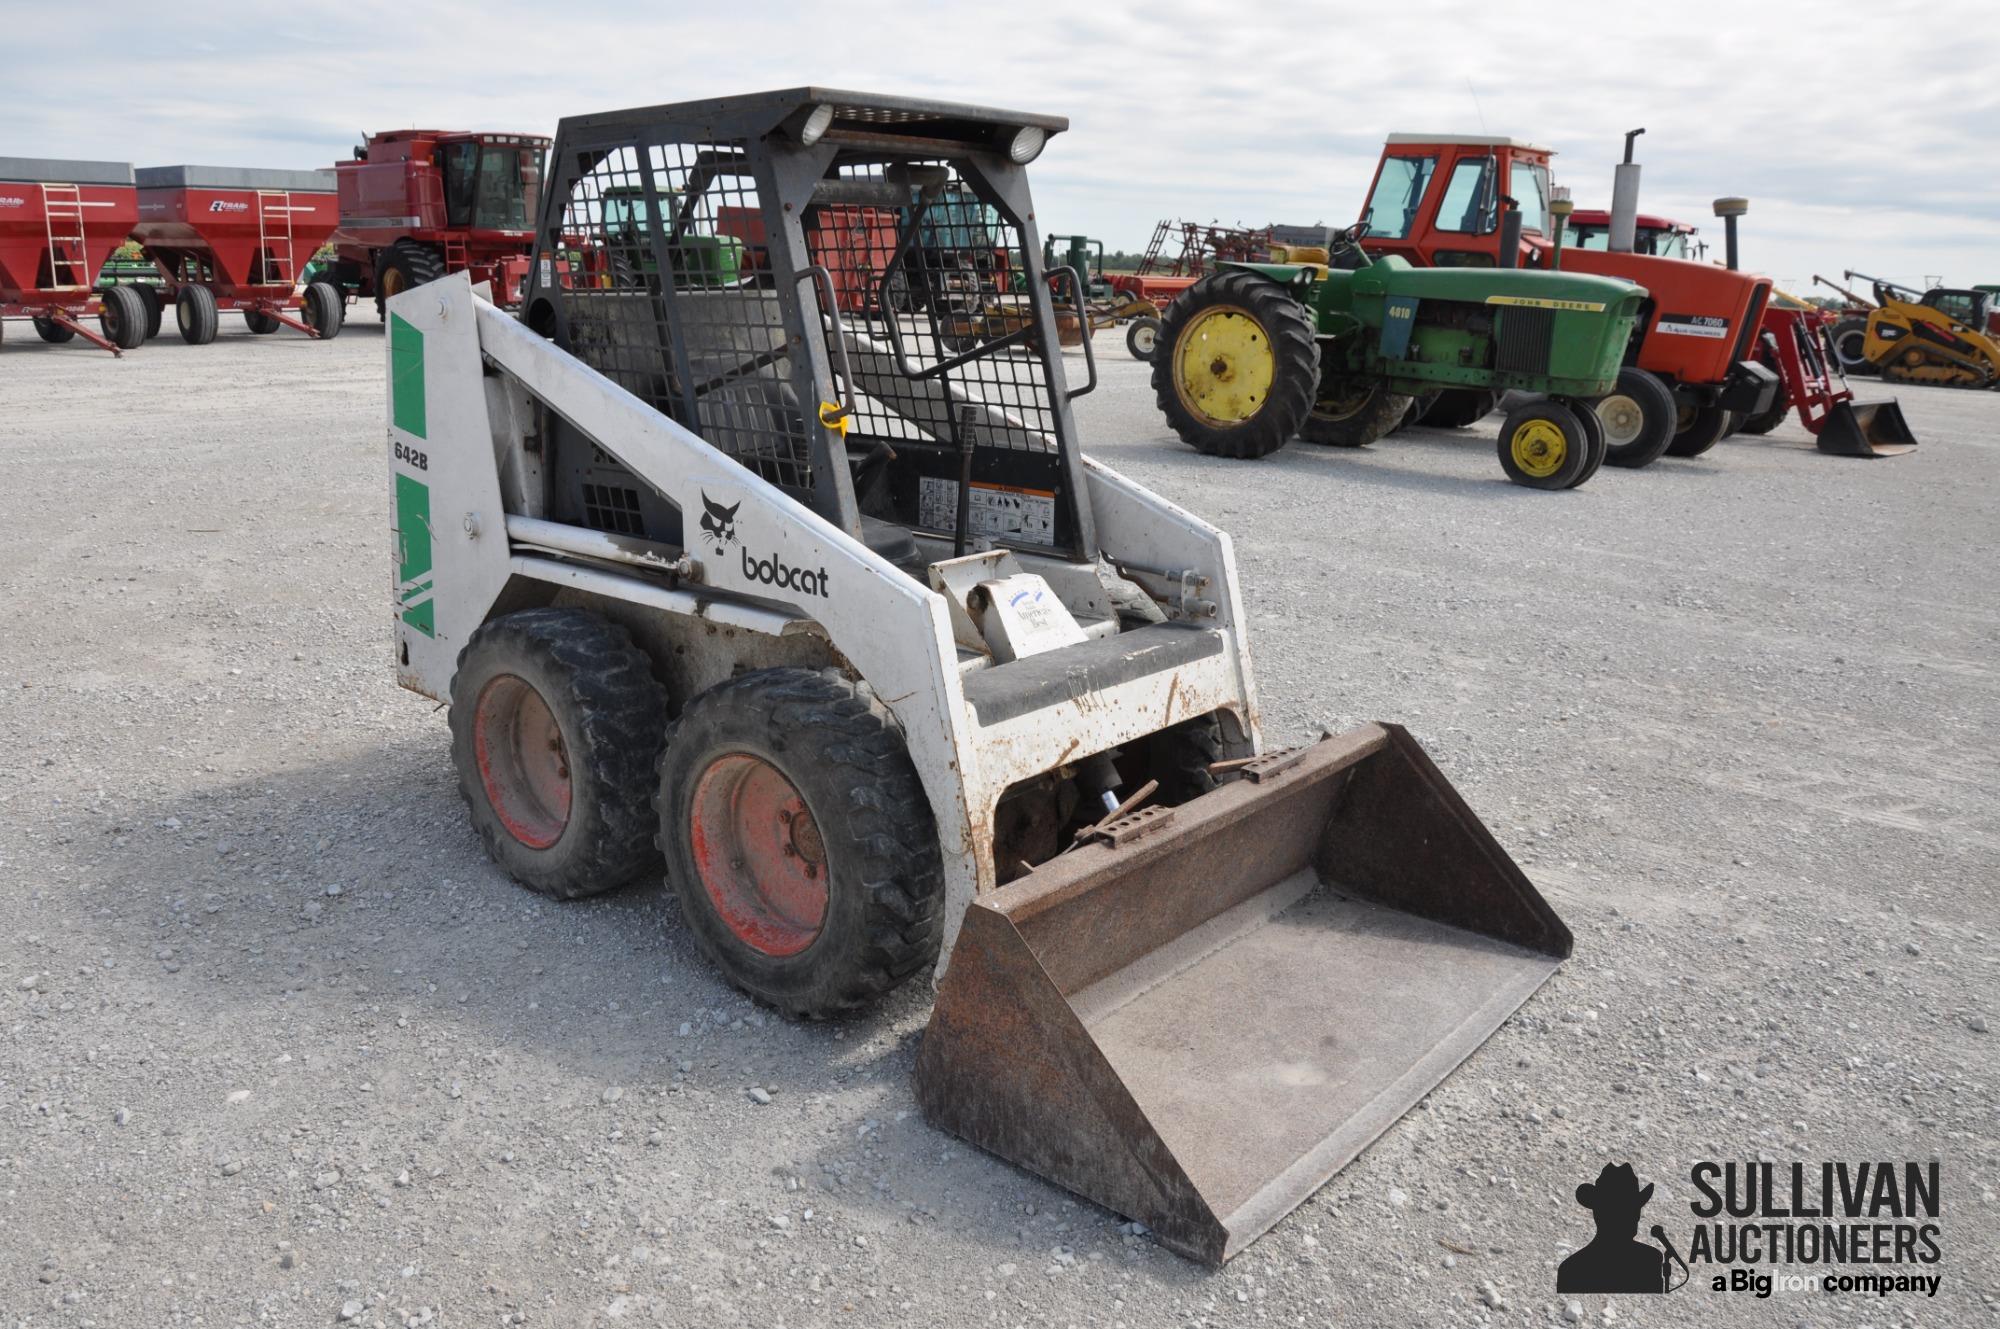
<point x="227" y="238"/>
<point x="59" y="222"/>
<point x="416" y="204"/>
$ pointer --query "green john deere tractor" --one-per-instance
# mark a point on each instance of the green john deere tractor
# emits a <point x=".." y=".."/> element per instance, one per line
<point x="1256" y="353"/>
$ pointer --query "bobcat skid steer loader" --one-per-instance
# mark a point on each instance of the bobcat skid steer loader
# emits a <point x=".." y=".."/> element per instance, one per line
<point x="820" y="612"/>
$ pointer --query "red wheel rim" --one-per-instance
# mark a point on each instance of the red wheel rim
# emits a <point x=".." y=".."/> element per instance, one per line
<point x="759" y="853"/>
<point x="522" y="761"/>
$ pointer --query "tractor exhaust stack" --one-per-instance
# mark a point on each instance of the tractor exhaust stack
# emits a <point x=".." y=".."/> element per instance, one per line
<point x="1625" y="200"/>
<point x="1200" y="1019"/>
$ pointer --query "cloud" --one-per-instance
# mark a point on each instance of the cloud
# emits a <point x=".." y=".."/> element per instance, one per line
<point x="1860" y="129"/>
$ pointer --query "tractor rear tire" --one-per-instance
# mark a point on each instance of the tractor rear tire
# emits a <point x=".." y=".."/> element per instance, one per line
<point x="1706" y="426"/>
<point x="1458" y="408"/>
<point x="196" y="315"/>
<point x="1365" y="418"/>
<point x="324" y="310"/>
<point x="401" y="266"/>
<point x="799" y="840"/>
<point x="1543" y="445"/>
<point x="52" y="332"/>
<point x="260" y="322"/>
<point x="556" y="725"/>
<point x="1142" y="335"/>
<point x="122" y="318"/>
<point x="1639" y="416"/>
<point x="1594" y="437"/>
<point x="1236" y="369"/>
<point x="1769" y="420"/>
<point x="1848" y="336"/>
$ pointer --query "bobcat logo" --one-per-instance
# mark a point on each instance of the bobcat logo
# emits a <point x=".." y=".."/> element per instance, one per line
<point x="718" y="523"/>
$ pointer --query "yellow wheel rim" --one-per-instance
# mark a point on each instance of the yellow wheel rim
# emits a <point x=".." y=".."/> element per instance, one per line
<point x="392" y="283"/>
<point x="1223" y="366"/>
<point x="1539" y="448"/>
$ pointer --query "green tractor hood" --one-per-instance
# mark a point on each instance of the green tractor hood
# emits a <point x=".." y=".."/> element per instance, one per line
<point x="1556" y="333"/>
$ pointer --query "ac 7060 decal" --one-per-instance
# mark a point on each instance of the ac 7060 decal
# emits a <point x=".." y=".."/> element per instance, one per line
<point x="1693" y="325"/>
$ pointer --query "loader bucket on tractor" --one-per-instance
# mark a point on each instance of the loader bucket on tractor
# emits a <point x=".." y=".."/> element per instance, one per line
<point x="1866" y="429"/>
<point x="1198" y="1019"/>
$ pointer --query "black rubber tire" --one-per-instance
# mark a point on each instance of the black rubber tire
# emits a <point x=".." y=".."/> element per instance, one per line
<point x="196" y="315"/>
<point x="1179" y="758"/>
<point x="1459" y="408"/>
<point x="612" y="717"/>
<point x="1379" y="413"/>
<point x="1769" y="420"/>
<point x="1576" y="444"/>
<point x="122" y="318"/>
<point x="260" y="322"/>
<point x="52" y="332"/>
<point x="324" y="310"/>
<point x="1654" y="401"/>
<point x="1286" y="327"/>
<point x="150" y="295"/>
<point x="1414" y="413"/>
<point x="1142" y="334"/>
<point x="1707" y="426"/>
<point x="1848" y="335"/>
<point x="1593" y="432"/>
<point x="413" y="264"/>
<point x="843" y="752"/>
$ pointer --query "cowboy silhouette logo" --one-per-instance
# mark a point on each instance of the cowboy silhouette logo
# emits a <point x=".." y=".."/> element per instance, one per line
<point x="1615" y="1260"/>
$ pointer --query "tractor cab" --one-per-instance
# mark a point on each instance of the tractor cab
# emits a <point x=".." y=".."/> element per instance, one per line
<point x="492" y="182"/>
<point x="1437" y="200"/>
<point x="1661" y="237"/>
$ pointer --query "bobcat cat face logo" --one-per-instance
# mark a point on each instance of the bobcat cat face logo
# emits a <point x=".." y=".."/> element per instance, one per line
<point x="718" y="523"/>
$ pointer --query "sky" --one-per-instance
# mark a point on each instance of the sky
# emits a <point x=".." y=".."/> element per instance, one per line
<point x="1866" y="133"/>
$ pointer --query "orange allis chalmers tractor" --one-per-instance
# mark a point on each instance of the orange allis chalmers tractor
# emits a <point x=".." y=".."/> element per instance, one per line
<point x="1692" y="373"/>
<point x="1795" y="340"/>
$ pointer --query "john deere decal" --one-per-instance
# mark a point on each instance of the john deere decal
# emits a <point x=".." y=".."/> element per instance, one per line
<point x="1536" y="302"/>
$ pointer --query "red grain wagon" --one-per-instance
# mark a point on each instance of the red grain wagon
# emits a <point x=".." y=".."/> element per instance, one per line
<point x="59" y="222"/>
<point x="226" y="237"/>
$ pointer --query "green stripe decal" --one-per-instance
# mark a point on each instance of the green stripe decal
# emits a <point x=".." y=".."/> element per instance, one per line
<point x="406" y="376"/>
<point x="413" y="552"/>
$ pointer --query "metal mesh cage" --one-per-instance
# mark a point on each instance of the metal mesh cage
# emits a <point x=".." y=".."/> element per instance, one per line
<point x="669" y="294"/>
<point x="862" y="327"/>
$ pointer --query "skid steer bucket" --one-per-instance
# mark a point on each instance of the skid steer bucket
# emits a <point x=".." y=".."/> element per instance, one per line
<point x="1866" y="429"/>
<point x="1199" y="1018"/>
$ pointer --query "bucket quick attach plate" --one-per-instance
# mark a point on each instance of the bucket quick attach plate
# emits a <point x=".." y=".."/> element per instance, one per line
<point x="1197" y="1026"/>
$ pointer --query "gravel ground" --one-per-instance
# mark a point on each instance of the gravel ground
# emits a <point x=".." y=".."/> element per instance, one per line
<point x="282" y="1048"/>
